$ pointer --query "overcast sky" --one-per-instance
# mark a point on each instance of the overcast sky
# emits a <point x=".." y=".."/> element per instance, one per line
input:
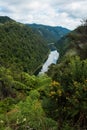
<point x="66" y="13"/>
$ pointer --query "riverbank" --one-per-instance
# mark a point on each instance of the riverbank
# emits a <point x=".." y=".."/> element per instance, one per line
<point x="37" y="70"/>
<point x="52" y="59"/>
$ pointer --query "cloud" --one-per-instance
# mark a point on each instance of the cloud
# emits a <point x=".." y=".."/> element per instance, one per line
<point x="50" y="12"/>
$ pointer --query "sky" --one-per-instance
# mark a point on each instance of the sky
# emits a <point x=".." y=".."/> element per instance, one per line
<point x="65" y="13"/>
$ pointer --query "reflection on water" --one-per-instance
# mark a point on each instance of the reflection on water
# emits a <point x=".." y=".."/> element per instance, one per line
<point x="53" y="57"/>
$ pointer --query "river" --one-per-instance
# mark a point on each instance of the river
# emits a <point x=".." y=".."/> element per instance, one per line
<point x="52" y="59"/>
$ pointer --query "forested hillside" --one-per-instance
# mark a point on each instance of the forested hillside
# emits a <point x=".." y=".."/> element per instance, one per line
<point x="49" y="33"/>
<point x="70" y="97"/>
<point x="20" y="47"/>
<point x="75" y="43"/>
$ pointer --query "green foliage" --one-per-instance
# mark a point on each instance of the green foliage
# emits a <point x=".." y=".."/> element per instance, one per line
<point x="28" y="80"/>
<point x="45" y="103"/>
<point x="71" y="69"/>
<point x="20" y="47"/>
<point x="6" y="81"/>
<point x="22" y="107"/>
<point x="75" y="43"/>
<point x="28" y="114"/>
<point x="69" y="93"/>
<point x="50" y="34"/>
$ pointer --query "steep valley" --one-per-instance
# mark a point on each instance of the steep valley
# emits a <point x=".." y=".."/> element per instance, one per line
<point x="53" y="100"/>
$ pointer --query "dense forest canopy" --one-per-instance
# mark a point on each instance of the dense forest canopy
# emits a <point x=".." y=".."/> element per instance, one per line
<point x="20" y="47"/>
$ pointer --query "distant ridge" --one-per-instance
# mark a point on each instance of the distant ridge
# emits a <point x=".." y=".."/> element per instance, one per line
<point x="50" y="33"/>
